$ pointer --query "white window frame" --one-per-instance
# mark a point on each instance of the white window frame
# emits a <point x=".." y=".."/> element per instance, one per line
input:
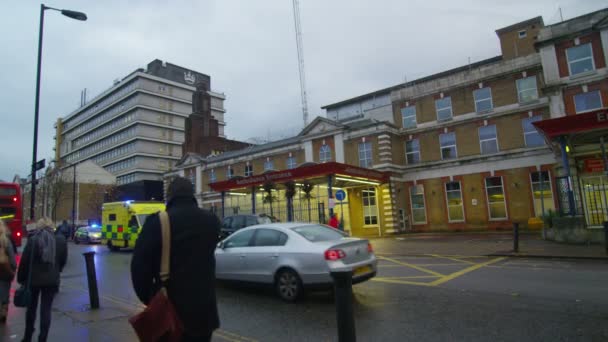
<point x="447" y="203"/>
<point x="504" y="202"/>
<point x="412" y="153"/>
<point x="483" y="140"/>
<point x="291" y="163"/>
<point x="580" y="59"/>
<point x="449" y="98"/>
<point x="588" y="110"/>
<point x="520" y="91"/>
<point x="212" y="176"/>
<point x="526" y="134"/>
<point x="229" y="172"/>
<point x="412" y="206"/>
<point x="365" y="148"/>
<point x="324" y="153"/>
<point x="477" y="91"/>
<point x="538" y="211"/>
<point x="442" y="147"/>
<point x="373" y="208"/>
<point x="248" y="170"/>
<point x="403" y="117"/>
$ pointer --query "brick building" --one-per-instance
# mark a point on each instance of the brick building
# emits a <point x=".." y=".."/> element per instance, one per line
<point x="458" y="150"/>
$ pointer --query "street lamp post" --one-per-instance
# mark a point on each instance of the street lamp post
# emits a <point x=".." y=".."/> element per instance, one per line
<point x="71" y="14"/>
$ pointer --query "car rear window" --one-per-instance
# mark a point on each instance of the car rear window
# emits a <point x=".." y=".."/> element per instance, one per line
<point x="316" y="233"/>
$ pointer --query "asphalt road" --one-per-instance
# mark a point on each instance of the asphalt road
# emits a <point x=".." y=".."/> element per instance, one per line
<point x="431" y="298"/>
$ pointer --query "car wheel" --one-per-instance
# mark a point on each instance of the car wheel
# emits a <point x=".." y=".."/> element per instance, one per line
<point x="288" y="285"/>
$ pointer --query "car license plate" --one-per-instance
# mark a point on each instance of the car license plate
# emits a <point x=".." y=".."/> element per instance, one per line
<point x="361" y="270"/>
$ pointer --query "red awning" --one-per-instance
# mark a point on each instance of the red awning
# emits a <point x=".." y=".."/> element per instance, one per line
<point x="300" y="173"/>
<point x="571" y="124"/>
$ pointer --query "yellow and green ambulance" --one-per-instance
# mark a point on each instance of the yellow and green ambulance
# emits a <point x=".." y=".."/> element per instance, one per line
<point x="121" y="222"/>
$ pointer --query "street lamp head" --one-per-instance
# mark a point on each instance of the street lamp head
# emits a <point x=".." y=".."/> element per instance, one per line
<point x="74" y="15"/>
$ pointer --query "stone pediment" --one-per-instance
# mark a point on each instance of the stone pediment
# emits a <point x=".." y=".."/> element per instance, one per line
<point x="320" y="125"/>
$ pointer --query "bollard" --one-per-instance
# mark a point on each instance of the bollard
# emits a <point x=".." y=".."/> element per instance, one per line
<point x="606" y="235"/>
<point x="92" y="279"/>
<point x="515" y="237"/>
<point x="343" y="288"/>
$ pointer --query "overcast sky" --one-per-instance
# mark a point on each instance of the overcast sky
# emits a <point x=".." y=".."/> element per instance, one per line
<point x="351" y="47"/>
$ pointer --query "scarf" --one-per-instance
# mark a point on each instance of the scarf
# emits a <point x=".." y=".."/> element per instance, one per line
<point x="45" y="242"/>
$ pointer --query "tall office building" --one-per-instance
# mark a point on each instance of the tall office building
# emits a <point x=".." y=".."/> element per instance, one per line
<point x="135" y="129"/>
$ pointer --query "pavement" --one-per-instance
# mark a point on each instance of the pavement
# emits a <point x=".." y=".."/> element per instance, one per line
<point x="461" y="286"/>
<point x="531" y="245"/>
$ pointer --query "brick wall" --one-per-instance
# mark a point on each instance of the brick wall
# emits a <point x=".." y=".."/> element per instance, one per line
<point x="569" y="94"/>
<point x="596" y="46"/>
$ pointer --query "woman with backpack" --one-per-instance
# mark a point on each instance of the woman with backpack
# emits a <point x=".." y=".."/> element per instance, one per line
<point x="8" y="265"/>
<point x="44" y="256"/>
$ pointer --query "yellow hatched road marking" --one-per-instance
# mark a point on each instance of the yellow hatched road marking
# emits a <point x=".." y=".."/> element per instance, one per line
<point x="465" y="271"/>
<point x="452" y="258"/>
<point x="409" y="277"/>
<point x="396" y="281"/>
<point x="241" y="338"/>
<point x="421" y="269"/>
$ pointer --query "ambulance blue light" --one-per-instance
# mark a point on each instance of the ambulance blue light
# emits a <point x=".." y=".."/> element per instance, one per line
<point x="94" y="225"/>
<point x="129" y="201"/>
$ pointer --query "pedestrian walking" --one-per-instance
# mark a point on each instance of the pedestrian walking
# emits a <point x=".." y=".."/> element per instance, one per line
<point x="65" y="230"/>
<point x="191" y="283"/>
<point x="44" y="256"/>
<point x="333" y="221"/>
<point x="7" y="269"/>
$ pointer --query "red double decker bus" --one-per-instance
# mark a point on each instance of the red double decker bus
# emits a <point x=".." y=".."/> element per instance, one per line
<point x="11" y="209"/>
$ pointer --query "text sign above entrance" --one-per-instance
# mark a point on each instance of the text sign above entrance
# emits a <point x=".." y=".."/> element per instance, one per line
<point x="340" y="195"/>
<point x="594" y="165"/>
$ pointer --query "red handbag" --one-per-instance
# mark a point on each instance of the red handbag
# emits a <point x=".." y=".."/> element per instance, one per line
<point x="159" y="320"/>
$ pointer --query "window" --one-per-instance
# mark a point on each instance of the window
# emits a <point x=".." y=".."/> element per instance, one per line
<point x="531" y="135"/>
<point x="229" y="172"/>
<point x="526" y="89"/>
<point x="585" y="102"/>
<point x="370" y="210"/>
<point x="316" y="233"/>
<point x="269" y="237"/>
<point x="448" y="145"/>
<point x="417" y="203"/>
<point x="487" y="139"/>
<point x="497" y="206"/>
<point x="112" y="217"/>
<point x="324" y="154"/>
<point x="542" y="194"/>
<point x="483" y="99"/>
<point x="580" y="59"/>
<point x="444" y="108"/>
<point x="248" y="170"/>
<point x="365" y="154"/>
<point x="239" y="239"/>
<point x="212" y="177"/>
<point x="268" y="165"/>
<point x="291" y="163"/>
<point x="412" y="152"/>
<point x="522" y="34"/>
<point x="409" y="116"/>
<point x="453" y="194"/>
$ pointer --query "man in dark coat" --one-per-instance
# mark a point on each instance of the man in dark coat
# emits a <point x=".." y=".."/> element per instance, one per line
<point x="191" y="286"/>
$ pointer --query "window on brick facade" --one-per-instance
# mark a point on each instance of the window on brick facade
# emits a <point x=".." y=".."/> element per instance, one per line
<point x="453" y="195"/>
<point x="412" y="151"/>
<point x="417" y="204"/>
<point x="212" y="176"/>
<point x="483" y="99"/>
<point x="585" y="102"/>
<point x="580" y="59"/>
<point x="408" y="115"/>
<point x="229" y="172"/>
<point x="324" y="154"/>
<point x="291" y="163"/>
<point x="526" y="89"/>
<point x="365" y="154"/>
<point x="370" y="209"/>
<point x="248" y="170"/>
<point x="268" y="165"/>
<point x="487" y="139"/>
<point x="531" y="135"/>
<point x="443" y="107"/>
<point x="497" y="206"/>
<point x="542" y="193"/>
<point x="448" y="145"/>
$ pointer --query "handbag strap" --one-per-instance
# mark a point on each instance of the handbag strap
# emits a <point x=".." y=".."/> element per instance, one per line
<point x="165" y="228"/>
<point x="29" y="271"/>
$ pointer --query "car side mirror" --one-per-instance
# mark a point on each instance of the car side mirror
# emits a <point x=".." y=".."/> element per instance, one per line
<point x="220" y="245"/>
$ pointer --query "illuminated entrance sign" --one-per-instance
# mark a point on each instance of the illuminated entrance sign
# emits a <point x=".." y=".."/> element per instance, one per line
<point x="302" y="172"/>
<point x="552" y="128"/>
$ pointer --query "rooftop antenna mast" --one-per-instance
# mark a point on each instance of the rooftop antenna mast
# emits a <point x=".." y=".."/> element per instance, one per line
<point x="298" y="26"/>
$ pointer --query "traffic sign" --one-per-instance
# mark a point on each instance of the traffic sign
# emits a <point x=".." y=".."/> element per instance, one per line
<point x="340" y="195"/>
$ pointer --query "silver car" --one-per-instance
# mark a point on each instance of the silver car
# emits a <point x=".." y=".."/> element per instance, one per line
<point x="293" y="256"/>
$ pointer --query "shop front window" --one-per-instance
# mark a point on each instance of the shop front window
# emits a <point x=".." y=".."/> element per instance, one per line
<point x="370" y="208"/>
<point x="417" y="203"/>
<point x="495" y="193"/>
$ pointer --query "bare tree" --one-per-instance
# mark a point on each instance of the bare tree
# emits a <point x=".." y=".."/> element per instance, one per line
<point x="56" y="188"/>
<point x="96" y="195"/>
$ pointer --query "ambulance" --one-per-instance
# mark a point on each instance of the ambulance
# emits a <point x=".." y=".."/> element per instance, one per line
<point x="122" y="222"/>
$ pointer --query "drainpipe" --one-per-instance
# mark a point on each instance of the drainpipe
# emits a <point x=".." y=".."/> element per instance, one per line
<point x="330" y="195"/>
<point x="253" y="199"/>
<point x="566" y="165"/>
